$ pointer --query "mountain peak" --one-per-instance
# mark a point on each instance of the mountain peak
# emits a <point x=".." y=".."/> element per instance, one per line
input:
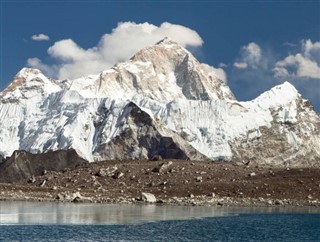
<point x="279" y="93"/>
<point x="26" y="82"/>
<point x="26" y="71"/>
<point x="288" y="86"/>
<point x="165" y="72"/>
<point x="166" y="41"/>
<point x="22" y="77"/>
<point x="165" y="49"/>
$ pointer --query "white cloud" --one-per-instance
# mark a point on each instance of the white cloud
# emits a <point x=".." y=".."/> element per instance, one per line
<point x="240" y="65"/>
<point x="218" y="72"/>
<point x="305" y="64"/>
<point x="125" y="40"/>
<point x="40" y="37"/>
<point x="223" y="65"/>
<point x="312" y="50"/>
<point x="250" y="56"/>
<point x="252" y="53"/>
<point x="37" y="63"/>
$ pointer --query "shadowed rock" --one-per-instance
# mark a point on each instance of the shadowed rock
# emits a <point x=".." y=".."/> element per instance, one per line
<point x="23" y="165"/>
<point x="143" y="138"/>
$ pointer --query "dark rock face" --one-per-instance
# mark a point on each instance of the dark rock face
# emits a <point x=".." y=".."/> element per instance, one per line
<point x="141" y="138"/>
<point x="22" y="165"/>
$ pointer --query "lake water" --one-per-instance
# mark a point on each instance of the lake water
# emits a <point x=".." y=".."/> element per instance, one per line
<point x="28" y="221"/>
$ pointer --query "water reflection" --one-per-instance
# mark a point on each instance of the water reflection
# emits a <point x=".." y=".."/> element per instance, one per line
<point x="60" y="213"/>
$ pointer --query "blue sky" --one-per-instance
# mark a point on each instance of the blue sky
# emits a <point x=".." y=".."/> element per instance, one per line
<point x="257" y="44"/>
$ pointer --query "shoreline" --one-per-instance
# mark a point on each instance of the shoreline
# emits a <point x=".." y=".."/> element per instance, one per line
<point x="172" y="182"/>
<point x="196" y="201"/>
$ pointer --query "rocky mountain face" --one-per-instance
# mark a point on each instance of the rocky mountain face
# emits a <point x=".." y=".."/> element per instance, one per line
<point x="160" y="102"/>
<point x="23" y="165"/>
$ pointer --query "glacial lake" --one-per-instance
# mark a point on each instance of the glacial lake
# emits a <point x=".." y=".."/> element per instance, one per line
<point x="26" y="221"/>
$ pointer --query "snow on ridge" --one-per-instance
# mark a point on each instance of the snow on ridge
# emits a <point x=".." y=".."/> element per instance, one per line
<point x="281" y="98"/>
<point x="277" y="96"/>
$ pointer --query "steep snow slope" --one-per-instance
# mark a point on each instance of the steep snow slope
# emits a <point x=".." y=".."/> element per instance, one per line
<point x="187" y="110"/>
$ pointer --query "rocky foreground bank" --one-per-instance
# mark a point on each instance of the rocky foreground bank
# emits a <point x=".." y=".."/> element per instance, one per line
<point x="171" y="182"/>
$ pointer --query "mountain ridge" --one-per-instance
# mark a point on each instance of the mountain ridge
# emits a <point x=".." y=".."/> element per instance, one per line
<point x="185" y="100"/>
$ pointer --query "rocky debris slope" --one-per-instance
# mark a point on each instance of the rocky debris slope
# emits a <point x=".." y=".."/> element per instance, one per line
<point x="22" y="165"/>
<point x="160" y="102"/>
<point x="178" y="182"/>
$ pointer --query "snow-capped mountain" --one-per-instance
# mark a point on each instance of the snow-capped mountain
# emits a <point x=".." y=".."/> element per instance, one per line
<point x="161" y="101"/>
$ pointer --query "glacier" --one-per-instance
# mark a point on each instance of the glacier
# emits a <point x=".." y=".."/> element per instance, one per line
<point x="184" y="104"/>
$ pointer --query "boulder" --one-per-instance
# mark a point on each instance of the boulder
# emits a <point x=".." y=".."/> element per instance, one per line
<point x="109" y="171"/>
<point x="148" y="197"/>
<point x="162" y="167"/>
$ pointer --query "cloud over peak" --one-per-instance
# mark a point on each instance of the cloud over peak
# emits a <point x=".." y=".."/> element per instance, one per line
<point x="125" y="40"/>
<point x="40" y="37"/>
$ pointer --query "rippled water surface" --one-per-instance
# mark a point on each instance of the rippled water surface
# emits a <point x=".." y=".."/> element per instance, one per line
<point x="94" y="222"/>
